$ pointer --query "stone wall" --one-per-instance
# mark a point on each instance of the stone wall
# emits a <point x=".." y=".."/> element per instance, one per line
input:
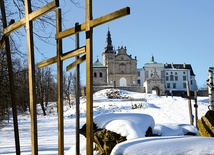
<point x="135" y="89"/>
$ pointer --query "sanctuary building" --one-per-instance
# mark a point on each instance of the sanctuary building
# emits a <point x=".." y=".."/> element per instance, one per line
<point x="119" y="69"/>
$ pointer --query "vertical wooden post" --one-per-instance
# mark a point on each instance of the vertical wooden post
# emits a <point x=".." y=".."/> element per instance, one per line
<point x="77" y="93"/>
<point x="60" y="85"/>
<point x="196" y="108"/>
<point x="89" y="80"/>
<point x="189" y="104"/>
<point x="12" y="89"/>
<point x="210" y="88"/>
<point x="31" y="74"/>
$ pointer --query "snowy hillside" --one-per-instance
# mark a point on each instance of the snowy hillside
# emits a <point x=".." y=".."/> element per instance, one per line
<point x="170" y="115"/>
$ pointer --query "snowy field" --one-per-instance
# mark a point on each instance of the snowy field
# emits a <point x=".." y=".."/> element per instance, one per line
<point x="166" y="115"/>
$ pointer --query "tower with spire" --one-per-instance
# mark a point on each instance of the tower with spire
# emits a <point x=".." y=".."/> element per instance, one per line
<point x="121" y="67"/>
<point x="109" y="52"/>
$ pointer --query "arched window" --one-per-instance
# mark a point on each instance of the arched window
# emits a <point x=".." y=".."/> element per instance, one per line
<point x="101" y="74"/>
<point x="95" y="74"/>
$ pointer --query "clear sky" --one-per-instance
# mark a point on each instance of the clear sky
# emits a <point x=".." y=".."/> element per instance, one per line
<point x="173" y="31"/>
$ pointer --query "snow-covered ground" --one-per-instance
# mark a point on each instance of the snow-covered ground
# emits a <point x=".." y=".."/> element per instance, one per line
<point x="167" y="116"/>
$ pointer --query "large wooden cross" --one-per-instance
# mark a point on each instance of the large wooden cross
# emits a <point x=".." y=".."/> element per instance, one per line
<point x="88" y="27"/>
<point x="27" y="21"/>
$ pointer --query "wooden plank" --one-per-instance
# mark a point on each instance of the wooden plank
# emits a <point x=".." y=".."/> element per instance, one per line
<point x="2" y="41"/>
<point x="47" y="62"/>
<point x="109" y="17"/>
<point x="77" y="95"/>
<point x="64" y="56"/>
<point x="89" y="79"/>
<point x="60" y="85"/>
<point x="32" y="16"/>
<point x="73" y="53"/>
<point x="70" y="31"/>
<point x="31" y="75"/>
<point x="76" y="62"/>
<point x="94" y="23"/>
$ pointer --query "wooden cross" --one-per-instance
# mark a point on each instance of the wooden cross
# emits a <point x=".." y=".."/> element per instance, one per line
<point x="189" y="97"/>
<point x="88" y="27"/>
<point x="27" y="21"/>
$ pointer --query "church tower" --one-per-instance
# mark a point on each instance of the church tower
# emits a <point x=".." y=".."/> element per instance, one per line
<point x="109" y="56"/>
<point x="109" y="53"/>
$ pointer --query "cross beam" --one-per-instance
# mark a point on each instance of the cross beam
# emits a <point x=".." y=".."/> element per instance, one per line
<point x="32" y="16"/>
<point x="64" y="56"/>
<point x="76" y="62"/>
<point x="94" y="23"/>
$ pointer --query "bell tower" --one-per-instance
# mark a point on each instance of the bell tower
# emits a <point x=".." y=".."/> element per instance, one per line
<point x="109" y="53"/>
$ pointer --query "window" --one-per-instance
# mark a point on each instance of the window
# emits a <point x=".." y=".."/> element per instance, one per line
<point x="171" y="72"/>
<point x="184" y="85"/>
<point x="138" y="73"/>
<point x="167" y="78"/>
<point x="146" y="74"/>
<point x="101" y="74"/>
<point x="176" y="73"/>
<point x="168" y="85"/>
<point x="166" y="73"/>
<point x="184" y="78"/>
<point x="191" y="82"/>
<point x="138" y="82"/>
<point x="95" y="74"/>
<point x="171" y="77"/>
<point x="184" y="72"/>
<point x="174" y="85"/>
<point x="176" y="78"/>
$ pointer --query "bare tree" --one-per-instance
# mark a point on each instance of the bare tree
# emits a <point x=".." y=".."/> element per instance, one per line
<point x="45" y="87"/>
<point x="69" y="84"/>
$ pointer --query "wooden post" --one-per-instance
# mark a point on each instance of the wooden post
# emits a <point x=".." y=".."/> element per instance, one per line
<point x="189" y="104"/>
<point x="12" y="89"/>
<point x="77" y="93"/>
<point x="60" y="85"/>
<point x="89" y="80"/>
<point x="196" y="108"/>
<point x="31" y="75"/>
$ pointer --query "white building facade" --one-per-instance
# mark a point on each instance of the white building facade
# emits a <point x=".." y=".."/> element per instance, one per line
<point x="166" y="78"/>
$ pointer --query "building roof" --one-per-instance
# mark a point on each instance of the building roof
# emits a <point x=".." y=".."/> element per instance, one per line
<point x="152" y="62"/>
<point x="180" y="66"/>
<point x="98" y="64"/>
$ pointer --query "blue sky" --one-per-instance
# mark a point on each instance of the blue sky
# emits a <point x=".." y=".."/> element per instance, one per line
<point x="173" y="31"/>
